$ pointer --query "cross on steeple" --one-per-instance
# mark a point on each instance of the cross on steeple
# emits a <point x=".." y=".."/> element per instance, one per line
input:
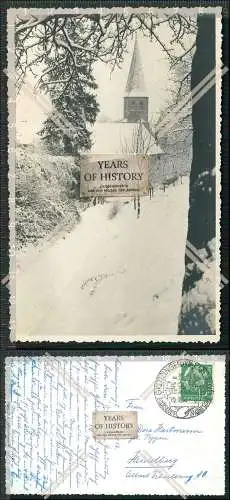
<point x="136" y="99"/>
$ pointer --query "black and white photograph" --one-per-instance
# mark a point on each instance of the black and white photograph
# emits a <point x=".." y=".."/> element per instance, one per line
<point x="114" y="161"/>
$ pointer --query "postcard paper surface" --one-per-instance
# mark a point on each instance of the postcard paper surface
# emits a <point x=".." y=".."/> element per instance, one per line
<point x="107" y="175"/>
<point x="98" y="425"/>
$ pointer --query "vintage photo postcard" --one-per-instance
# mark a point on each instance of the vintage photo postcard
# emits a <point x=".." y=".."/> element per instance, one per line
<point x="114" y="173"/>
<point x="76" y="425"/>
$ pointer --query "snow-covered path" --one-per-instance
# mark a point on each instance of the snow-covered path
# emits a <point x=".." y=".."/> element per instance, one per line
<point x="108" y="277"/>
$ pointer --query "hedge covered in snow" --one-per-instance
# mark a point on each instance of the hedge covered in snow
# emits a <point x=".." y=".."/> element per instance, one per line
<point x="47" y="195"/>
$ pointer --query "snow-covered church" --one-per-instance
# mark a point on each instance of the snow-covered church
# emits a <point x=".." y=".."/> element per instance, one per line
<point x="133" y="133"/>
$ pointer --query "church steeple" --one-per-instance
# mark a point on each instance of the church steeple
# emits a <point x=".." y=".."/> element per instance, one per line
<point x="136" y="99"/>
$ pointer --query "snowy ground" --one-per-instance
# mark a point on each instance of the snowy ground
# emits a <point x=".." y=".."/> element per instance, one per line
<point x="108" y="277"/>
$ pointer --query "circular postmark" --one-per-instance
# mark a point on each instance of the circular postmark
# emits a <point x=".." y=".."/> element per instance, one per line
<point x="184" y="388"/>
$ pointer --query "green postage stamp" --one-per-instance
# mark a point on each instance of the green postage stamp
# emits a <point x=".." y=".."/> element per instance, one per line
<point x="196" y="382"/>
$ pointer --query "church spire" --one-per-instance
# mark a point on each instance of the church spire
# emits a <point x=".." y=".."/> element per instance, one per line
<point x="135" y="85"/>
<point x="136" y="99"/>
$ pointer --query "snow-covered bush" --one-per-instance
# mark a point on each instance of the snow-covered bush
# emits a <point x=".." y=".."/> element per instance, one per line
<point x="200" y="301"/>
<point x="46" y="195"/>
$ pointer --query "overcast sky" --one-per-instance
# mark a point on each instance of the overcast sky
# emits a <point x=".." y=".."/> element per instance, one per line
<point x="30" y="115"/>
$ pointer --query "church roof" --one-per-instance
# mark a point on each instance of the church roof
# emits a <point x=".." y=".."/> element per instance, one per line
<point x="135" y="85"/>
<point x="123" y="138"/>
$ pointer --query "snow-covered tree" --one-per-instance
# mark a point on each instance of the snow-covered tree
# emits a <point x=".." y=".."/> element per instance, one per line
<point x="73" y="99"/>
<point x="199" y="286"/>
<point x="77" y="107"/>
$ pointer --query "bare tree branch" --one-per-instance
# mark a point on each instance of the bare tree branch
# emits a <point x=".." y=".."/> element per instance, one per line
<point x="103" y="38"/>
